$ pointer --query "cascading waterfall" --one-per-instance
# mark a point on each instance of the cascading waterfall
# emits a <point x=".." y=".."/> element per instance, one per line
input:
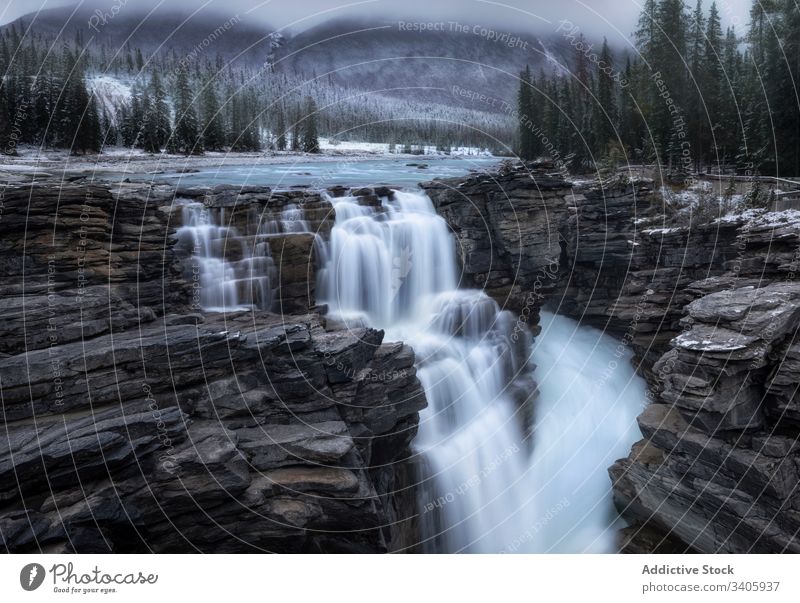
<point x="229" y="271"/>
<point x="290" y="219"/>
<point x="485" y="488"/>
<point x="388" y="264"/>
<point x="235" y="271"/>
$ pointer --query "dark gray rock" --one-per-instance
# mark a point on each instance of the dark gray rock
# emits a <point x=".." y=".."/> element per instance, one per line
<point x="131" y="424"/>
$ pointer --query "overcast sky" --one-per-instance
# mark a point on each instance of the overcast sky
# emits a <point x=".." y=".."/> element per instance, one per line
<point x="613" y="18"/>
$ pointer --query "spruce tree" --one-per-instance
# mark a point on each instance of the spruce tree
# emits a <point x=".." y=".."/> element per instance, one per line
<point x="783" y="100"/>
<point x="647" y="31"/>
<point x="310" y="138"/>
<point x="185" y="137"/>
<point x="5" y="123"/>
<point x="244" y="122"/>
<point x="44" y="100"/>
<point x="132" y="118"/>
<point x="565" y="127"/>
<point x="696" y="113"/>
<point x="526" y="150"/>
<point x="89" y="135"/>
<point x="296" y="145"/>
<point x="156" y="129"/>
<point x="280" y="127"/>
<point x="728" y="134"/>
<point x="108" y="130"/>
<point x="669" y="61"/>
<point x="712" y="80"/>
<point x="606" y="106"/>
<point x="211" y="118"/>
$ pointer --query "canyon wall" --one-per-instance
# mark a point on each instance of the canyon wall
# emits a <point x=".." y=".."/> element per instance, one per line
<point x="711" y="312"/>
<point x="133" y="421"/>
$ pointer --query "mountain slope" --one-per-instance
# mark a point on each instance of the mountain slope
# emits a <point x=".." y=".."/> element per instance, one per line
<point x="167" y="30"/>
<point x="426" y="65"/>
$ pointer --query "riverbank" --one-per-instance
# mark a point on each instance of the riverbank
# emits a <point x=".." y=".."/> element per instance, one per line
<point x="136" y="162"/>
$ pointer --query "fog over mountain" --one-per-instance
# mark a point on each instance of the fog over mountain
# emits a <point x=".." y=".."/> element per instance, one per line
<point x="612" y="18"/>
<point x="450" y="62"/>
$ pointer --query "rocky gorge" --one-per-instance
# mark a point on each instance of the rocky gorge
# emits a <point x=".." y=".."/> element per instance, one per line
<point x="711" y="313"/>
<point x="135" y="421"/>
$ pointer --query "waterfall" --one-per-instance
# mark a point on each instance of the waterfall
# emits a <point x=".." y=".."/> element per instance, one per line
<point x="389" y="263"/>
<point x="485" y="487"/>
<point x="228" y="271"/>
<point x="589" y="399"/>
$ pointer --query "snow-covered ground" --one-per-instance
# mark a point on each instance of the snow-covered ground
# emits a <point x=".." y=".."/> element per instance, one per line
<point x="110" y="92"/>
<point x="702" y="196"/>
<point x="382" y="147"/>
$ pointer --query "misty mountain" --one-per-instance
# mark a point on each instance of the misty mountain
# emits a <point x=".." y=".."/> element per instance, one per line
<point x="389" y="58"/>
<point x="421" y="65"/>
<point x="167" y="30"/>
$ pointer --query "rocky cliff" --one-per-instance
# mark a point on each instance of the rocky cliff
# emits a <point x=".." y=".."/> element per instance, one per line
<point x="135" y="421"/>
<point x="132" y="421"/>
<point x="711" y="312"/>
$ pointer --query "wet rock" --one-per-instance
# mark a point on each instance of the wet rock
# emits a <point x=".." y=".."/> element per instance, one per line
<point x="711" y="313"/>
<point x="132" y="424"/>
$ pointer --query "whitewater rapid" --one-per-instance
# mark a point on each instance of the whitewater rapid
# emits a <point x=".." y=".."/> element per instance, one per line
<point x="486" y="486"/>
<point x="492" y="478"/>
<point x="586" y="415"/>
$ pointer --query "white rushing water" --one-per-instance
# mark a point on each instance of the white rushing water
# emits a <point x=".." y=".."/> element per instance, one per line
<point x="485" y="486"/>
<point x="586" y="414"/>
<point x="231" y="270"/>
<point x="228" y="271"/>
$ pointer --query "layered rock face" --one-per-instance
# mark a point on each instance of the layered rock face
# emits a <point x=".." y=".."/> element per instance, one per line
<point x="134" y="422"/>
<point x="719" y="466"/>
<point x="509" y="233"/>
<point x="711" y="312"/>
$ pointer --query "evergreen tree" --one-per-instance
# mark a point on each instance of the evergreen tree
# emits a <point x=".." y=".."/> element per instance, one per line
<point x="45" y="95"/>
<point x="244" y="122"/>
<point x="108" y="130"/>
<point x="630" y="119"/>
<point x="185" y="132"/>
<point x="565" y="124"/>
<point x="606" y="105"/>
<point x="131" y="118"/>
<point x="310" y="138"/>
<point x="696" y="117"/>
<point x="783" y="101"/>
<point x="5" y="123"/>
<point x="296" y="146"/>
<point x="155" y="129"/>
<point x="88" y="136"/>
<point x="527" y="144"/>
<point x="728" y="103"/>
<point x="212" y="119"/>
<point x="647" y="31"/>
<point x="712" y="80"/>
<point x="280" y="127"/>
<point x="669" y="61"/>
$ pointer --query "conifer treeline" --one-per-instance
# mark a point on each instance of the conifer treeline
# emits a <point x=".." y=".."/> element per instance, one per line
<point x="693" y="98"/>
<point x="45" y="101"/>
<point x="191" y="104"/>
